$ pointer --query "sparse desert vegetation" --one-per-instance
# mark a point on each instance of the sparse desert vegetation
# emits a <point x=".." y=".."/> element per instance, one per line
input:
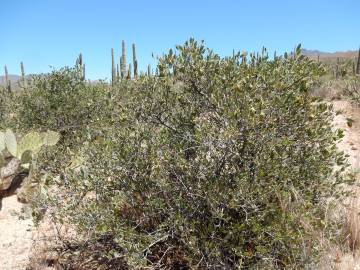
<point x="192" y="135"/>
<point x="209" y="163"/>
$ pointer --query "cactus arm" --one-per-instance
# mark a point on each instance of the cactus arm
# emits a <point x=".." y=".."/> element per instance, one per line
<point x="50" y="138"/>
<point x="32" y="141"/>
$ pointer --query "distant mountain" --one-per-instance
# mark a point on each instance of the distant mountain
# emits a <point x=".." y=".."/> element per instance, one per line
<point x="12" y="78"/>
<point x="331" y="57"/>
<point x="15" y="78"/>
<point x="311" y="52"/>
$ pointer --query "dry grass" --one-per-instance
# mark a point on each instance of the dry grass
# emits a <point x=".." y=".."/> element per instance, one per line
<point x="330" y="89"/>
<point x="345" y="255"/>
<point x="43" y="255"/>
<point x="352" y="227"/>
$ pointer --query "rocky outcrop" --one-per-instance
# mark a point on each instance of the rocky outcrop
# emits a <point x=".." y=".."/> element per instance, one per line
<point x="8" y="173"/>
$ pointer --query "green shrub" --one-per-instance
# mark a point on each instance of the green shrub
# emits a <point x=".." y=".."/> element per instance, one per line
<point x="5" y="104"/>
<point x="217" y="163"/>
<point x="352" y="88"/>
<point x="62" y="101"/>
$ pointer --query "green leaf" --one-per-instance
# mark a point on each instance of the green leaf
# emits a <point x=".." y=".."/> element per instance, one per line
<point x="10" y="142"/>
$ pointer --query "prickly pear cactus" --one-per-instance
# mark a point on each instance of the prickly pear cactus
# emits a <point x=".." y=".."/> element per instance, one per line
<point x="10" y="142"/>
<point x="30" y="144"/>
<point x="50" y="138"/>
<point x="32" y="141"/>
<point x="21" y="152"/>
<point x="2" y="141"/>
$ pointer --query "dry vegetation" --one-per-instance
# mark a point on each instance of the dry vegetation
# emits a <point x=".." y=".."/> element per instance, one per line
<point x="211" y="163"/>
<point x="342" y="91"/>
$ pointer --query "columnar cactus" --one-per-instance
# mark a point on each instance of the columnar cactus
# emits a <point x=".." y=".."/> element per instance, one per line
<point x="80" y="64"/>
<point x="135" y="63"/>
<point x="243" y="56"/>
<point x="337" y="67"/>
<point x="117" y="73"/>
<point x="7" y="81"/>
<point x="113" y="72"/>
<point x="83" y="72"/>
<point x="79" y="60"/>
<point x="353" y="68"/>
<point x="358" y="63"/>
<point x="123" y="57"/>
<point x="129" y="72"/>
<point x="149" y="70"/>
<point x="121" y="64"/>
<point x="263" y="52"/>
<point x="23" y="79"/>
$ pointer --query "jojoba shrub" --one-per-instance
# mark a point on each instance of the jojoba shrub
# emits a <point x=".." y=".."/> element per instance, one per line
<point x="215" y="163"/>
<point x="61" y="100"/>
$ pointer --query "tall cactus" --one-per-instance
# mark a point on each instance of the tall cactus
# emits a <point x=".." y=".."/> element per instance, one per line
<point x="79" y="60"/>
<point x="358" y="63"/>
<point x="121" y="64"/>
<point x="123" y="59"/>
<point x="337" y="67"/>
<point x="113" y="72"/>
<point x="129" y="72"/>
<point x="135" y="63"/>
<point x="7" y="81"/>
<point x="23" y="79"/>
<point x="83" y="72"/>
<point x="117" y="73"/>
<point x="80" y="64"/>
<point x="353" y="68"/>
<point x="149" y="70"/>
<point x="6" y="74"/>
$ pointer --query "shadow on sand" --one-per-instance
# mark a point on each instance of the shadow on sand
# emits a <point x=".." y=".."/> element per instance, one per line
<point x="16" y="183"/>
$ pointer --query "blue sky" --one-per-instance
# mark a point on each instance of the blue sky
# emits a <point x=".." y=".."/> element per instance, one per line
<point x="44" y="33"/>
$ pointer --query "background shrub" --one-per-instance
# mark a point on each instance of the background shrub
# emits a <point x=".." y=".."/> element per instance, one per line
<point x="62" y="101"/>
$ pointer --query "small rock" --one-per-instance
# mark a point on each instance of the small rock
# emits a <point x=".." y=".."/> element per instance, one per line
<point x="8" y="173"/>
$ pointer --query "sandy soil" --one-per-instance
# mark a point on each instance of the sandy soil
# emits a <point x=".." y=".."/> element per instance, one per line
<point x="351" y="146"/>
<point x="16" y="232"/>
<point x="351" y="142"/>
